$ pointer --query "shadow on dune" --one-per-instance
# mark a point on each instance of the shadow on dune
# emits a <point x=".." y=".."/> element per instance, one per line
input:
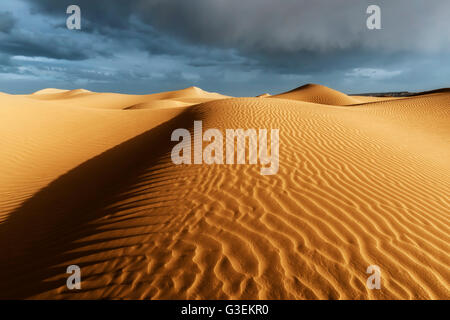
<point x="42" y="233"/>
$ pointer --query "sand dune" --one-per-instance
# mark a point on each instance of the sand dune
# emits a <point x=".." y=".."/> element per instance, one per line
<point x="54" y="91"/>
<point x="318" y="94"/>
<point x="44" y="138"/>
<point x="87" y="99"/>
<point x="87" y="179"/>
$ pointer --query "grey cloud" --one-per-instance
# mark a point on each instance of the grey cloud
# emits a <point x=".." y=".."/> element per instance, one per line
<point x="33" y="47"/>
<point x="7" y="22"/>
<point x="102" y="13"/>
<point x="270" y="45"/>
<point x="268" y="26"/>
<point x="288" y="36"/>
<point x="5" y="60"/>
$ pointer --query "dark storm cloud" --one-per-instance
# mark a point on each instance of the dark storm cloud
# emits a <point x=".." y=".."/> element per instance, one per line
<point x="32" y="47"/>
<point x="145" y="45"/>
<point x="273" y="26"/>
<point x="7" y="22"/>
<point x="5" y="60"/>
<point x="294" y="35"/>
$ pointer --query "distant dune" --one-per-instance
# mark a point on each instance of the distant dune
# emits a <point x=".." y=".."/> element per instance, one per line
<point x="87" y="179"/>
<point x="318" y="94"/>
<point x="51" y="91"/>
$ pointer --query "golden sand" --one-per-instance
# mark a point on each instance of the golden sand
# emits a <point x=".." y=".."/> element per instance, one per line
<point x="86" y="178"/>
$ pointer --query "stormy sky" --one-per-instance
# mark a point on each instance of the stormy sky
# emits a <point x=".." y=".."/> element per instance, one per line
<point x="236" y="47"/>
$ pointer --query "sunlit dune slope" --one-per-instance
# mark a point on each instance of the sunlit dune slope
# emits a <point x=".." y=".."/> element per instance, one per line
<point x="317" y="93"/>
<point x="85" y="98"/>
<point x="44" y="138"/>
<point x="61" y="92"/>
<point x="357" y="186"/>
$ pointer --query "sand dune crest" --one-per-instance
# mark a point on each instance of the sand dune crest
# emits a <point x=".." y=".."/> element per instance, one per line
<point x="318" y="94"/>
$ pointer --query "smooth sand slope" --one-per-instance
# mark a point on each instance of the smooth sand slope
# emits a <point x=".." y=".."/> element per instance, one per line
<point x="87" y="179"/>
<point x="316" y="93"/>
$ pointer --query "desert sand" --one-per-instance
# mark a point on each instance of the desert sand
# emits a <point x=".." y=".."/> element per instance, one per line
<point x="86" y="178"/>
